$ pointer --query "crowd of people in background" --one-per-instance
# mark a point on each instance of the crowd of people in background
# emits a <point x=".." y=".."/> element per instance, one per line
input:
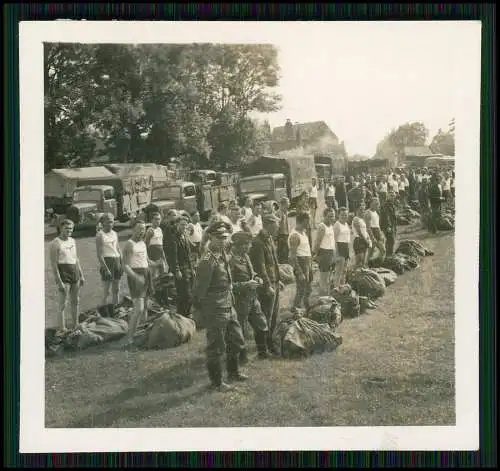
<point x="228" y="273"/>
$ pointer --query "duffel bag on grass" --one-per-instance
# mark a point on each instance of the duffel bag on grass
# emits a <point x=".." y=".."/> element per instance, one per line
<point x="395" y="263"/>
<point x="170" y="330"/>
<point x="301" y="337"/>
<point x="286" y="274"/>
<point x="413" y="249"/>
<point x="325" y="310"/>
<point x="349" y="301"/>
<point x="445" y="224"/>
<point x="109" y="328"/>
<point x="387" y="275"/>
<point x="367" y="283"/>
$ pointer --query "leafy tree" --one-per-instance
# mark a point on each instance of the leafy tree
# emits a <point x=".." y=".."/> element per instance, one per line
<point x="408" y="134"/>
<point x="443" y="143"/>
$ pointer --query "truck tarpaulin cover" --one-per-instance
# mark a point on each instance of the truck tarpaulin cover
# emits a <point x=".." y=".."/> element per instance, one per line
<point x="61" y="181"/>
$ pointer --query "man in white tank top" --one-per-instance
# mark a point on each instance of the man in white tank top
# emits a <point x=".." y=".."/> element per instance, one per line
<point x="195" y="235"/>
<point x="377" y="238"/>
<point x="254" y="223"/>
<point x="301" y="261"/>
<point x="324" y="249"/>
<point x="67" y="272"/>
<point x="154" y="243"/>
<point x="110" y="260"/>
<point x="136" y="264"/>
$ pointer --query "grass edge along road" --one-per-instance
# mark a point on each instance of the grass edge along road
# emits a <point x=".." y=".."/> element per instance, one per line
<point x="395" y="367"/>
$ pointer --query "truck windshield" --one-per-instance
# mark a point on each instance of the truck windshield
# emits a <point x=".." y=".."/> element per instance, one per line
<point x="166" y="193"/>
<point x="87" y="195"/>
<point x="251" y="186"/>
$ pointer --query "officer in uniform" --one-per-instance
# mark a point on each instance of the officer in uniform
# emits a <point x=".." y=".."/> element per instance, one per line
<point x="213" y="298"/>
<point x="245" y="284"/>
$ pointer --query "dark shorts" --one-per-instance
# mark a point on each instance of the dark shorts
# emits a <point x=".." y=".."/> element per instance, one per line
<point x="313" y="203"/>
<point x="326" y="258"/>
<point x="155" y="252"/>
<point x="69" y="273"/>
<point x="343" y="250"/>
<point x="360" y="245"/>
<point x="446" y="195"/>
<point x="138" y="290"/>
<point x="114" y="265"/>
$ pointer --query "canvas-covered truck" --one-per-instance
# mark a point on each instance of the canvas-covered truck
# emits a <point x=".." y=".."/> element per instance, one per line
<point x="212" y="188"/>
<point x="60" y="183"/>
<point x="124" y="193"/>
<point x="297" y="169"/>
<point x="262" y="188"/>
<point x="178" y="195"/>
<point x="329" y="164"/>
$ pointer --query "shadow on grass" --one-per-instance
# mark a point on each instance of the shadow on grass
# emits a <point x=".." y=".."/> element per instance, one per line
<point x="170" y="380"/>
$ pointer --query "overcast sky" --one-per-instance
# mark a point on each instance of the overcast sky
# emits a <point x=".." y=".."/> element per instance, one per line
<point x="363" y="79"/>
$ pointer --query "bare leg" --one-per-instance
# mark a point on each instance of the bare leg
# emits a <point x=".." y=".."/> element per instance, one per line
<point x="75" y="303"/>
<point x="324" y="277"/>
<point x="106" y="288"/>
<point x="134" y="320"/>
<point x="63" y="302"/>
<point x="116" y="291"/>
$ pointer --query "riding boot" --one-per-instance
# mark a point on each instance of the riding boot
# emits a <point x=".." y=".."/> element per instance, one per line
<point x="243" y="357"/>
<point x="270" y="345"/>
<point x="260" y="341"/>
<point x="110" y="310"/>
<point x="233" y="372"/>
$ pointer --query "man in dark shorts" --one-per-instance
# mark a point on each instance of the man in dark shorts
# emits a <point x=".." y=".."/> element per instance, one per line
<point x="214" y="299"/>
<point x="372" y="219"/>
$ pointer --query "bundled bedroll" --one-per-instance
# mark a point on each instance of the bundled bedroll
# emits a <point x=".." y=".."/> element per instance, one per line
<point x="348" y="300"/>
<point x="367" y="283"/>
<point x="413" y="248"/>
<point x="325" y="310"/>
<point x="94" y="330"/>
<point x="446" y="221"/>
<point x="387" y="275"/>
<point x="399" y="263"/>
<point x="167" y="330"/>
<point x="286" y="274"/>
<point x="300" y="337"/>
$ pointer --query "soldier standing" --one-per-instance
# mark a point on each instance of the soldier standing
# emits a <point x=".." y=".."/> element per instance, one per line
<point x="213" y="298"/>
<point x="284" y="230"/>
<point x="245" y="284"/>
<point x="265" y="262"/>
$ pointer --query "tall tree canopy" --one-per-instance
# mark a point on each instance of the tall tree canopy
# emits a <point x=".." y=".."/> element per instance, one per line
<point x="443" y="143"/>
<point x="408" y="134"/>
<point x="137" y="103"/>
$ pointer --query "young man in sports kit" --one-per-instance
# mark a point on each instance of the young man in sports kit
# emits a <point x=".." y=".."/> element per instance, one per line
<point x="362" y="241"/>
<point x="342" y="234"/>
<point x="154" y="243"/>
<point x="377" y="238"/>
<point x="136" y="265"/>
<point x="110" y="260"/>
<point x="67" y="271"/>
<point x="324" y="249"/>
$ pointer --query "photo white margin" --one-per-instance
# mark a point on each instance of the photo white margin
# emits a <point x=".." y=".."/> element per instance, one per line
<point x="35" y="438"/>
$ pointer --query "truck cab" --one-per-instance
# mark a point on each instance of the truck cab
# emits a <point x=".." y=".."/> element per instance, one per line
<point x="179" y="195"/>
<point x="261" y="188"/>
<point x="89" y="203"/>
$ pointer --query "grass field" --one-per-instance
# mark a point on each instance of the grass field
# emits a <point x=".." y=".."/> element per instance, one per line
<point x="395" y="367"/>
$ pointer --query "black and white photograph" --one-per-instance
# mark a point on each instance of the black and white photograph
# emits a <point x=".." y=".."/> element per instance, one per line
<point x="249" y="236"/>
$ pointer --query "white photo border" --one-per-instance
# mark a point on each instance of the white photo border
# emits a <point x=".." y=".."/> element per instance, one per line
<point x="35" y="438"/>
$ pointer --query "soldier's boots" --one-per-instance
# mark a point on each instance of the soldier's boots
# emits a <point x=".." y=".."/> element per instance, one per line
<point x="261" y="342"/>
<point x="215" y="375"/>
<point x="111" y="310"/>
<point x="233" y="373"/>
<point x="243" y="357"/>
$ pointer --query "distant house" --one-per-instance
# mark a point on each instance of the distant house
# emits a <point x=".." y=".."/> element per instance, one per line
<point x="315" y="137"/>
<point x="417" y="155"/>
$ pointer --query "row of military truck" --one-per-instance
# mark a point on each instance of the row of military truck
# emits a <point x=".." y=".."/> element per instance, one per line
<point x="132" y="190"/>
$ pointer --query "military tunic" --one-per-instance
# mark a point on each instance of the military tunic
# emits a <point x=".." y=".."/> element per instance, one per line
<point x="213" y="298"/>
<point x="247" y="303"/>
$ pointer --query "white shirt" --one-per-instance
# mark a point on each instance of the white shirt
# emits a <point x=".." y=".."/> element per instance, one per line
<point x="314" y="192"/>
<point x="157" y="237"/>
<point x="304" y="249"/>
<point x="419" y="178"/>
<point x="67" y="251"/>
<point x="247" y="212"/>
<point x="328" y="241"/>
<point x="342" y="232"/>
<point x="330" y="190"/>
<point x="446" y="184"/>
<point x="139" y="256"/>
<point x="255" y="224"/>
<point x="374" y="219"/>
<point x="406" y="182"/>
<point x="401" y="185"/>
<point x="109" y="244"/>
<point x="236" y="226"/>
<point x="362" y="227"/>
<point x="197" y="233"/>
<point x="382" y="187"/>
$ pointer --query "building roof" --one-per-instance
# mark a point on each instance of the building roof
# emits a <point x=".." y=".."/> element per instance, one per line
<point x="83" y="173"/>
<point x="418" y="151"/>
<point x="308" y="131"/>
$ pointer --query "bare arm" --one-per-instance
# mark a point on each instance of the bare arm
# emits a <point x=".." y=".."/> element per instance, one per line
<point x="82" y="278"/>
<point x="127" y="253"/>
<point x="368" y="222"/>
<point x="319" y="238"/>
<point x="148" y="236"/>
<point x="100" y="257"/>
<point x="54" y="254"/>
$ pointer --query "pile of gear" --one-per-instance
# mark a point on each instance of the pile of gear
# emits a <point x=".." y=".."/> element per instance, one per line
<point x="407" y="215"/>
<point x="302" y="333"/>
<point x="447" y="220"/>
